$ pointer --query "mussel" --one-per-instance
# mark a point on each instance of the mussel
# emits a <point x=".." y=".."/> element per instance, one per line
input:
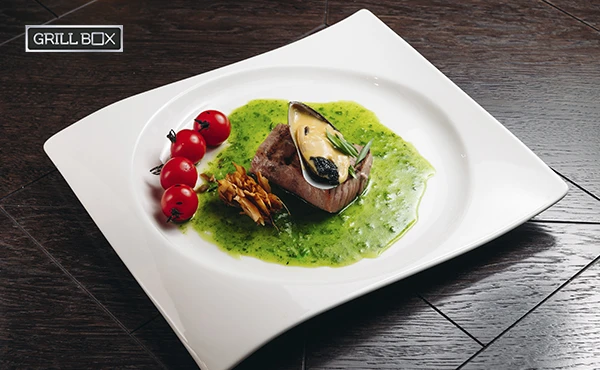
<point x="309" y="130"/>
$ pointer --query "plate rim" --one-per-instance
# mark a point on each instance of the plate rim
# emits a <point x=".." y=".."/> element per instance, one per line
<point x="210" y="358"/>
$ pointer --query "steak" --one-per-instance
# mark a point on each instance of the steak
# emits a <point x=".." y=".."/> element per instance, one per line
<point x="278" y="161"/>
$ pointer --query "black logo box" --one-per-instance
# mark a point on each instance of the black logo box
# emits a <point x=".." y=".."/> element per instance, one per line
<point x="74" y="39"/>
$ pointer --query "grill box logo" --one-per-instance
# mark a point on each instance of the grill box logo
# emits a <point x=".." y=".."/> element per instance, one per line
<point x="73" y="39"/>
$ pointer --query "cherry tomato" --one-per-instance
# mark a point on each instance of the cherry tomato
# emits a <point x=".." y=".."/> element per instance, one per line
<point x="178" y="170"/>
<point x="179" y="203"/>
<point x="214" y="126"/>
<point x="187" y="143"/>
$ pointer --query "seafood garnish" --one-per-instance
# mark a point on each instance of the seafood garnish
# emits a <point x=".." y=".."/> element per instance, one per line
<point x="310" y="132"/>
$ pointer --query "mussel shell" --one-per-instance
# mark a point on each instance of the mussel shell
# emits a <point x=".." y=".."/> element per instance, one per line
<point x="310" y="111"/>
<point x="321" y="169"/>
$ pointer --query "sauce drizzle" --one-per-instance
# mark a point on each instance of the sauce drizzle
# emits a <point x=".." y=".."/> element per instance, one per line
<point x="310" y="237"/>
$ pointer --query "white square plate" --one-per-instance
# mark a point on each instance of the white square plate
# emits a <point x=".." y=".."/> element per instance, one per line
<point x="486" y="183"/>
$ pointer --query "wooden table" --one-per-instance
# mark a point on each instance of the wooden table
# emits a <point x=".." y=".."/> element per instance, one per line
<point x="530" y="299"/>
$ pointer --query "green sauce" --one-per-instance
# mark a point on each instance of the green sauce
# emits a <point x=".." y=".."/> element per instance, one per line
<point x="308" y="236"/>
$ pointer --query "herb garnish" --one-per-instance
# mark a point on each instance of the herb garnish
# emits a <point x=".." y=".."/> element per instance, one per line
<point x="348" y="149"/>
<point x="364" y="151"/>
<point x="342" y="145"/>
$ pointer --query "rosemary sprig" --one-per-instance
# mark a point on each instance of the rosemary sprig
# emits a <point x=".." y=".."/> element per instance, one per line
<point x="342" y="145"/>
<point x="348" y="149"/>
<point x="352" y="172"/>
<point x="363" y="152"/>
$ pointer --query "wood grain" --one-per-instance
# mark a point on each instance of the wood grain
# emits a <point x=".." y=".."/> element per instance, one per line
<point x="60" y="7"/>
<point x="158" y="336"/>
<point x="586" y="10"/>
<point x="531" y="66"/>
<point x="15" y="14"/>
<point x="163" y="42"/>
<point x="563" y="333"/>
<point x="72" y="238"/>
<point x="487" y="290"/>
<point x="576" y="206"/>
<point x="387" y="329"/>
<point x="49" y="191"/>
<point x="47" y="321"/>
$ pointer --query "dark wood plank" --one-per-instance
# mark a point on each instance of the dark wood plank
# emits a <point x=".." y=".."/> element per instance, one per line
<point x="47" y="321"/>
<point x="586" y="10"/>
<point x="533" y="69"/>
<point x="520" y="61"/>
<point x="387" y="329"/>
<point x="16" y="14"/>
<point x="60" y="7"/>
<point x="563" y="333"/>
<point x="490" y="288"/>
<point x="158" y="336"/>
<point x="72" y="238"/>
<point x="49" y="191"/>
<point x="283" y="353"/>
<point x="51" y="212"/>
<point x="163" y="42"/>
<point x="576" y="206"/>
